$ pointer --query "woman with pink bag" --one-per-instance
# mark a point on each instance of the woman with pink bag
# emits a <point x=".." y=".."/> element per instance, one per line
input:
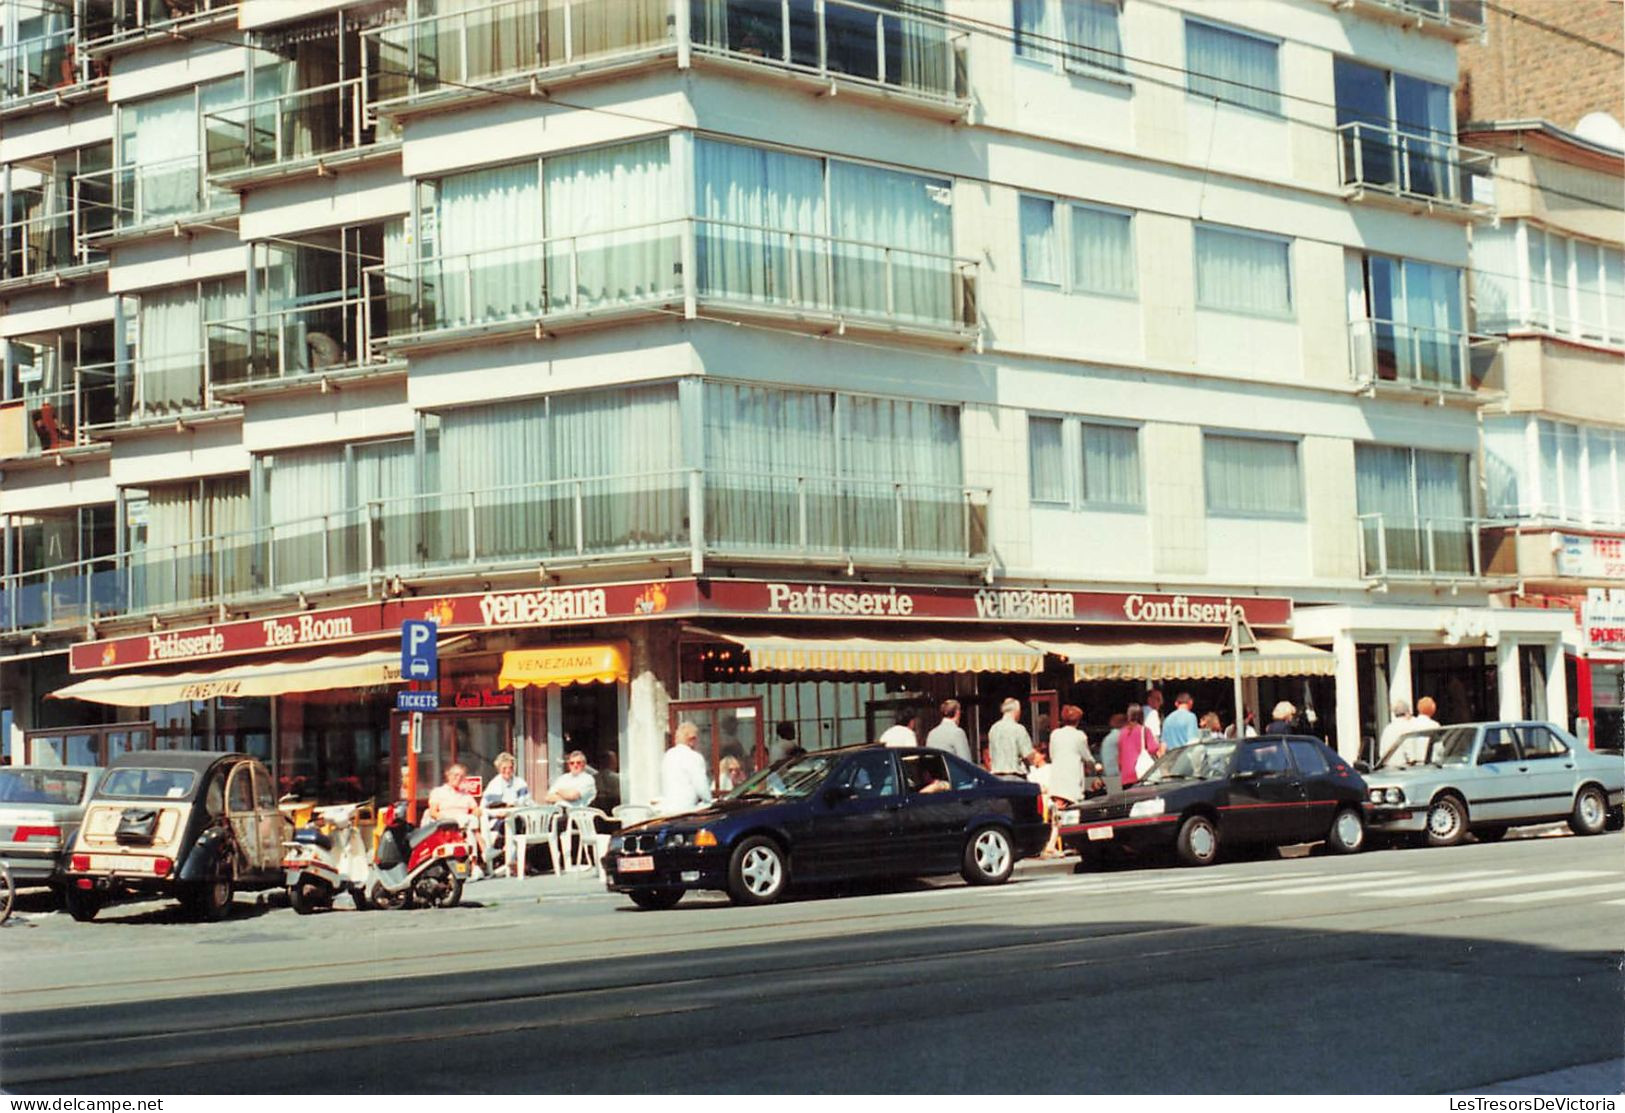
<point x="1137" y="747"/>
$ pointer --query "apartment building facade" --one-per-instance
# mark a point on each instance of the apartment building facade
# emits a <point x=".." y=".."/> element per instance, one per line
<point x="775" y="362"/>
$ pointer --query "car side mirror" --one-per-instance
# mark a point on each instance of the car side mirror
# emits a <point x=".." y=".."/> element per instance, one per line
<point x="1362" y="767"/>
<point x="835" y="794"/>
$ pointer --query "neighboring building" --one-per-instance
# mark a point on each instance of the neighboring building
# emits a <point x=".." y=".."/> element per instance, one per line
<point x="1549" y="275"/>
<point x="748" y="362"/>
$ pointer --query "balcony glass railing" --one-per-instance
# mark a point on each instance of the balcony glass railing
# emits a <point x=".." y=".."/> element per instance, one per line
<point x="328" y="333"/>
<point x="290" y="127"/>
<point x="445" y="53"/>
<point x="1410" y="546"/>
<point x="1412" y="355"/>
<point x="49" y="63"/>
<point x="151" y="193"/>
<point x="116" y="20"/>
<point x="1468" y="14"/>
<point x="1390" y="161"/>
<point x="45" y="244"/>
<point x="735" y="264"/>
<point x="627" y="517"/>
<point x="836" y="39"/>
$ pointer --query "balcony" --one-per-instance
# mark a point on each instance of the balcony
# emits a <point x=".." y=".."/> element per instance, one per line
<point x="796" y="278"/>
<point x="309" y="130"/>
<point x="121" y="23"/>
<point x="673" y="516"/>
<point x="153" y="196"/>
<point x="149" y="391"/>
<point x="323" y="338"/>
<point x="1454" y="19"/>
<point x="1391" y="355"/>
<point x="1389" y="165"/>
<point x="1419" y="548"/>
<point x="865" y="48"/>
<point x="46" y="70"/>
<point x="46" y="249"/>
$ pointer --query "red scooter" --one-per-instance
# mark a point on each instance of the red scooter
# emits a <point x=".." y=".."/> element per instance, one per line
<point x="418" y="865"/>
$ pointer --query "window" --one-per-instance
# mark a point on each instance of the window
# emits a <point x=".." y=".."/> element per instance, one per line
<point x="1414" y="508"/>
<point x="1539" y="742"/>
<point x="1396" y="130"/>
<point x="1096" y="244"/>
<point x="870" y="775"/>
<point x="1252" y="477"/>
<point x="1262" y="757"/>
<point x="1082" y="34"/>
<point x="1242" y="272"/>
<point x="1232" y="67"/>
<point x="924" y="772"/>
<point x="1574" y="287"/>
<point x="963" y="774"/>
<point x="1499" y="745"/>
<point x="1308" y="758"/>
<point x="1084" y="464"/>
<point x="1572" y="473"/>
<point x="1415" y="324"/>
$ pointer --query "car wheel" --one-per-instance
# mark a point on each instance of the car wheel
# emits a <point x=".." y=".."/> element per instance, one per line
<point x="655" y="900"/>
<point x="308" y="897"/>
<point x="1347" y="835"/>
<point x="757" y="872"/>
<point x="1198" y="841"/>
<point x="82" y="904"/>
<point x="1446" y="821"/>
<point x="1590" y="813"/>
<point x="209" y="901"/>
<point x="1489" y="834"/>
<point x="988" y="858"/>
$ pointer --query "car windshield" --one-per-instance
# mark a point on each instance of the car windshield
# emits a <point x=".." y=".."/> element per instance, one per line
<point x="40" y="786"/>
<point x="168" y="784"/>
<point x="1197" y="761"/>
<point x="1448" y="746"/>
<point x="793" y="777"/>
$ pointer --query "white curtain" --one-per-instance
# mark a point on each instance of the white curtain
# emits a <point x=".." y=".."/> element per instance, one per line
<point x="1602" y="500"/>
<point x="1102" y="251"/>
<point x="1383" y="485"/>
<point x="625" y="446"/>
<point x="299" y="485"/>
<point x="1091" y="32"/>
<point x="1422" y="112"/>
<point x="1444" y="501"/>
<point x="750" y="202"/>
<point x="1111" y="465"/>
<point x="769" y="466"/>
<point x="909" y="218"/>
<point x="160" y="146"/>
<point x="1540" y="285"/>
<point x="1232" y="67"/>
<point x="1506" y="466"/>
<point x="170" y="350"/>
<point x="1588" y="289"/>
<point x="1031" y="20"/>
<point x="488" y="224"/>
<point x="1551" y="473"/>
<point x="1038" y="249"/>
<point x="384" y="472"/>
<point x="1613" y="287"/>
<point x="901" y="455"/>
<point x="198" y="545"/>
<point x="1243" y="273"/>
<point x="611" y="225"/>
<point x="1433" y="310"/>
<point x="1252" y="477"/>
<point x="1046" y="459"/>
<point x="1495" y="278"/>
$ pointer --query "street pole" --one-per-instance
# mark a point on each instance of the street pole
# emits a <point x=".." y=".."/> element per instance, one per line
<point x="1235" y="649"/>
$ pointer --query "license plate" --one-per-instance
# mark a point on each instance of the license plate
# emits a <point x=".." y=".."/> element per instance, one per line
<point x="644" y="863"/>
<point x="1097" y="834"/>
<point x="1067" y="818"/>
<point x="460" y="868"/>
<point x="120" y="863"/>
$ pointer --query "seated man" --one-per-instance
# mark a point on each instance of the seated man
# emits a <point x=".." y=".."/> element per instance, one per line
<point x="575" y="788"/>
<point x="449" y="801"/>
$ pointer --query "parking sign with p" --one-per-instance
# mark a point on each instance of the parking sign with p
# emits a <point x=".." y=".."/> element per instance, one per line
<point x="420" y="658"/>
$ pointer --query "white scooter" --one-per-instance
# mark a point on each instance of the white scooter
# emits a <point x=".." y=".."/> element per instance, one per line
<point x="326" y="857"/>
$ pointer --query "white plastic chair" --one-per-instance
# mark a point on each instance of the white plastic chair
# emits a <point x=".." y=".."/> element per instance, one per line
<point x="584" y="851"/>
<point x="524" y="826"/>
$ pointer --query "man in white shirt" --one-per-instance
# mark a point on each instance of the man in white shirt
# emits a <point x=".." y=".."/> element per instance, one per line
<point x="684" y="785"/>
<point x="1153" y="713"/>
<point x="576" y="787"/>
<point x="1415" y="749"/>
<point x="1008" y="742"/>
<point x="1398" y="727"/>
<point x="507" y="789"/>
<point x="948" y="735"/>
<point x="902" y="734"/>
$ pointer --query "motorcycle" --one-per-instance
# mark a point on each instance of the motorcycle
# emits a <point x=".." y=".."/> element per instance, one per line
<point x="418" y="865"/>
<point x="327" y="856"/>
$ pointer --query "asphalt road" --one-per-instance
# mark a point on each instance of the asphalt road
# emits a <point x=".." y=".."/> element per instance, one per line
<point x="1399" y="971"/>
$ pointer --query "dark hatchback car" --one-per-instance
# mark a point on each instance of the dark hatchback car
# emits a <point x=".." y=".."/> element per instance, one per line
<point x="858" y="812"/>
<point x="172" y="823"/>
<point x="1272" y="791"/>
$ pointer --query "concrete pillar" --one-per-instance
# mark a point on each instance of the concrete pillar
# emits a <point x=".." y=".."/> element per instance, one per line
<point x="1557" y="688"/>
<point x="1509" y="678"/>
<point x="1399" y="677"/>
<point x="1346" y="731"/>
<point x="653" y="687"/>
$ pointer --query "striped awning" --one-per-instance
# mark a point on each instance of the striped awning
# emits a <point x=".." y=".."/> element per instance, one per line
<point x="776" y="653"/>
<point x="364" y="670"/>
<point x="1137" y="657"/>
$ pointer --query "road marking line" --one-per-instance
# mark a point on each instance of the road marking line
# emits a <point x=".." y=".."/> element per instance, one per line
<point x="1288" y="883"/>
<point x="1366" y="881"/>
<point x="1517" y="879"/>
<point x="1557" y="894"/>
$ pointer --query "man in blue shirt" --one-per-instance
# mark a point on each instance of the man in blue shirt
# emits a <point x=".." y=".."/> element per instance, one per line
<point x="1180" y="726"/>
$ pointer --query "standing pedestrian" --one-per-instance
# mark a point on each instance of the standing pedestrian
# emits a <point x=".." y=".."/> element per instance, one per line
<point x="1211" y="727"/>
<point x="1281" y="718"/>
<point x="683" y="783"/>
<point x="948" y="735"/>
<point x="902" y="734"/>
<point x="1008" y="742"/>
<point x="1136" y="738"/>
<point x="1425" y="707"/>
<point x="1108" y="751"/>
<point x="1180" y="726"/>
<point x="1152" y="710"/>
<point x="1070" y="759"/>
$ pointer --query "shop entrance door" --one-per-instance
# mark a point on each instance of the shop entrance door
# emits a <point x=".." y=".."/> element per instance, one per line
<point x="1043" y="715"/>
<point x="470" y="738"/>
<point x="728" y="728"/>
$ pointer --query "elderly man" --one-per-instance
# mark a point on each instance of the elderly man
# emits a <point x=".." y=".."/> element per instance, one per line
<point x="1398" y="727"/>
<point x="684" y="785"/>
<point x="949" y="735"/>
<point x="1008" y="743"/>
<point x="576" y="787"/>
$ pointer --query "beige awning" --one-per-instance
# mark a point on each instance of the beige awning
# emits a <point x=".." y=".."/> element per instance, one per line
<point x="275" y="678"/>
<point x="776" y="653"/>
<point x="1138" y="657"/>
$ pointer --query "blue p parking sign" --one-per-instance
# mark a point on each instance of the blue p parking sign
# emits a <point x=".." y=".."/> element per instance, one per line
<point x="420" y="658"/>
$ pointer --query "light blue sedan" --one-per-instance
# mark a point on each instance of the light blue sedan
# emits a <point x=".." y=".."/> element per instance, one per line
<point x="1484" y="778"/>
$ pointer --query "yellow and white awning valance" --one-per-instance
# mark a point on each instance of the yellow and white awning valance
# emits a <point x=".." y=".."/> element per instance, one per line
<point x="275" y="678"/>
<point x="1132" y="657"/>
<point x="776" y="653"/>
<point x="594" y="663"/>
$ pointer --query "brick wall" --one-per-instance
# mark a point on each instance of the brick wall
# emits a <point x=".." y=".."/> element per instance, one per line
<point x="1530" y="68"/>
